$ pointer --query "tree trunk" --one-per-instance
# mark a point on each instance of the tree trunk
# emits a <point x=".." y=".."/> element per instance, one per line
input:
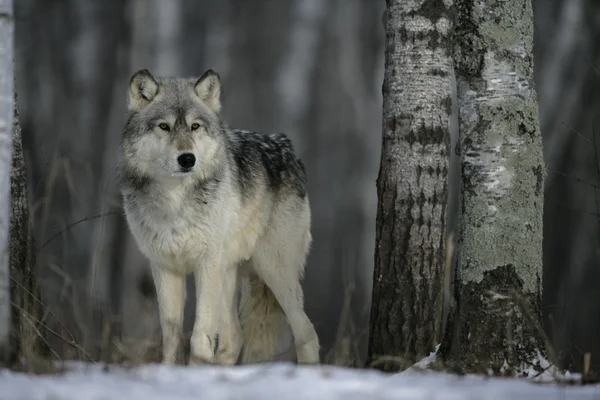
<point x="496" y="322"/>
<point x="412" y="183"/>
<point x="6" y="118"/>
<point x="27" y="308"/>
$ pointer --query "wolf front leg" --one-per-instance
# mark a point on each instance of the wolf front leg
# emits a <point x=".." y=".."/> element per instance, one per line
<point x="215" y="292"/>
<point x="230" y="340"/>
<point x="170" y="290"/>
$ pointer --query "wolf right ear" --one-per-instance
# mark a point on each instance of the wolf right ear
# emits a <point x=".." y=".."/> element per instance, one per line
<point x="208" y="88"/>
<point x="142" y="89"/>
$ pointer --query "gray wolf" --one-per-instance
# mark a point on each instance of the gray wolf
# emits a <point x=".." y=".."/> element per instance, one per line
<point x="229" y="206"/>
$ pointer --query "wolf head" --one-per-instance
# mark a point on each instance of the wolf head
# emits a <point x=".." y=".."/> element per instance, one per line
<point x="173" y="129"/>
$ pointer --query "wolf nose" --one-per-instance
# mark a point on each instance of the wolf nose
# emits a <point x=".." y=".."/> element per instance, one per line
<point x="186" y="160"/>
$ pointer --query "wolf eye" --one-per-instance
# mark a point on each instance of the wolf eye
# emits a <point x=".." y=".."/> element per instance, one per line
<point x="164" y="126"/>
<point x="195" y="126"/>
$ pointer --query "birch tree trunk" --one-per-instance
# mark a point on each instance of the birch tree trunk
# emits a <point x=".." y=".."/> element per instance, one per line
<point x="6" y="118"/>
<point x="412" y="183"/>
<point x="499" y="273"/>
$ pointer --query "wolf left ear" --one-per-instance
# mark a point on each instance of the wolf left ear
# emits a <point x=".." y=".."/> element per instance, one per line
<point x="208" y="88"/>
<point x="142" y="89"/>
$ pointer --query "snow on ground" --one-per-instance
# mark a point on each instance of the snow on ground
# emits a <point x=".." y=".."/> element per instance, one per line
<point x="272" y="381"/>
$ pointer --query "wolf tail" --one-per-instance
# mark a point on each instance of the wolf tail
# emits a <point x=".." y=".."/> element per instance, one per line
<point x="266" y="332"/>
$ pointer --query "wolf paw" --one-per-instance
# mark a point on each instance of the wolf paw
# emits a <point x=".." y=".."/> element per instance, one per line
<point x="202" y="349"/>
<point x="228" y="355"/>
<point x="308" y="353"/>
<point x="197" y="360"/>
<point x="229" y="349"/>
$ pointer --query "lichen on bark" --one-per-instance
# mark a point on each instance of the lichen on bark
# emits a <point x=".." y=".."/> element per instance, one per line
<point x="499" y="269"/>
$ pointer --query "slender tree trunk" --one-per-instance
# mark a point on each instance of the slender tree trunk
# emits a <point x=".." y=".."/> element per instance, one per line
<point x="409" y="259"/>
<point x="6" y="118"/>
<point x="27" y="310"/>
<point x="499" y="275"/>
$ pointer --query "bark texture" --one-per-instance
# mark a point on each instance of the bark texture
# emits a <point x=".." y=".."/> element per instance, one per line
<point x="27" y="326"/>
<point x="412" y="183"/>
<point x="496" y="324"/>
<point x="6" y="117"/>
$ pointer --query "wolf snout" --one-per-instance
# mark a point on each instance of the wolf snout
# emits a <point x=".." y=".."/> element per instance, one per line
<point x="186" y="161"/>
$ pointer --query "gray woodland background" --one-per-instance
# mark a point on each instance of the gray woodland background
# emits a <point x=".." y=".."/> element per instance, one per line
<point x="312" y="69"/>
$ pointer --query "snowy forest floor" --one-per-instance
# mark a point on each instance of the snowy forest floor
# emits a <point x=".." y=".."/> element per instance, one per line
<point x="274" y="381"/>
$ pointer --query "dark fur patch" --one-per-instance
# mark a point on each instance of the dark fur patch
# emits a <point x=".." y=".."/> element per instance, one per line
<point x="273" y="155"/>
<point x="136" y="182"/>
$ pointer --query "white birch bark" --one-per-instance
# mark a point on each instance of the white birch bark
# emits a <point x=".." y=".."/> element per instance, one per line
<point x="6" y="125"/>
<point x="500" y="244"/>
<point x="412" y="181"/>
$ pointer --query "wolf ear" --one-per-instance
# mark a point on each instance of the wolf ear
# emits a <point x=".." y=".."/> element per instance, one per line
<point x="142" y="89"/>
<point x="208" y="88"/>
